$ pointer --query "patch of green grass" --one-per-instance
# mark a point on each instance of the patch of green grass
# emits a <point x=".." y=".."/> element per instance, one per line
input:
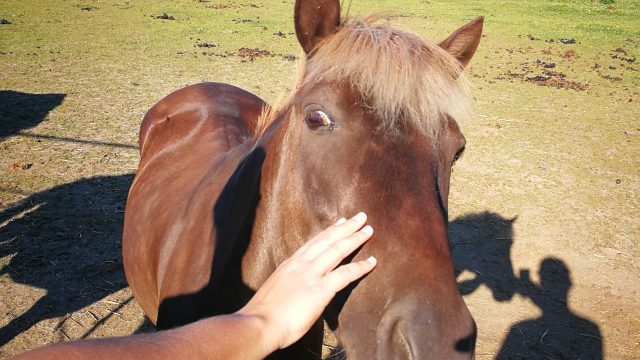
<point x="115" y="60"/>
<point x="562" y="153"/>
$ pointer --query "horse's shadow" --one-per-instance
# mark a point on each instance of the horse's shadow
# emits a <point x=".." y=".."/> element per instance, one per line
<point x="20" y="111"/>
<point x="66" y="240"/>
<point x="481" y="244"/>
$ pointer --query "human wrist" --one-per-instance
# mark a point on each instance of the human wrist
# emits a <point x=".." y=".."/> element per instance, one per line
<point x="262" y="332"/>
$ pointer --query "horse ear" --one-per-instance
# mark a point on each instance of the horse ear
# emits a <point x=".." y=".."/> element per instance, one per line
<point x="462" y="44"/>
<point x="314" y="20"/>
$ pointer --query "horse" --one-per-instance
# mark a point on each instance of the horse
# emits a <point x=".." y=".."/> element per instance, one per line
<point x="228" y="187"/>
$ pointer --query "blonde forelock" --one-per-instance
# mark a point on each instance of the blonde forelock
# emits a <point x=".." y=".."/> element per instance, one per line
<point x="401" y="78"/>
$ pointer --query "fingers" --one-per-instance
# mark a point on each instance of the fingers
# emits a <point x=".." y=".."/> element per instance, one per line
<point x="339" y="278"/>
<point x="340" y="249"/>
<point x="339" y="230"/>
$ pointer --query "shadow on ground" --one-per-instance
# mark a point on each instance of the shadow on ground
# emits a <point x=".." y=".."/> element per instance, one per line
<point x="66" y="240"/>
<point x="481" y="244"/>
<point x="20" y="111"/>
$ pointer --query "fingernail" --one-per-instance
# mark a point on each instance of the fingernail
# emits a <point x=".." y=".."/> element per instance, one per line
<point x="360" y="217"/>
<point x="341" y="221"/>
<point x="371" y="260"/>
<point x="367" y="230"/>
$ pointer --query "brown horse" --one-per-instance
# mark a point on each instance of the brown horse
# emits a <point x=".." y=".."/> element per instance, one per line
<point x="228" y="188"/>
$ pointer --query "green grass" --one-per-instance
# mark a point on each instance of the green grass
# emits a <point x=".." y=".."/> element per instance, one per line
<point x="115" y="61"/>
<point x="561" y="160"/>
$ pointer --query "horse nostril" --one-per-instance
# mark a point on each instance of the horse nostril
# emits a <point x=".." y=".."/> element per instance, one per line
<point x="468" y="344"/>
<point x="401" y="344"/>
<point x="393" y="339"/>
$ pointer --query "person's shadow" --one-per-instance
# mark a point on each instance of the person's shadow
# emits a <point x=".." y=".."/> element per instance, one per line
<point x="66" y="240"/>
<point x="558" y="333"/>
<point x="481" y="244"/>
<point x="20" y="111"/>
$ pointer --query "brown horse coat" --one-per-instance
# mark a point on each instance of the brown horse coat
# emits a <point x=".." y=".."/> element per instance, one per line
<point x="223" y="195"/>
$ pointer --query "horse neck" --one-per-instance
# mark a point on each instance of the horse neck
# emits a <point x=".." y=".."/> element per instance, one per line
<point x="275" y="233"/>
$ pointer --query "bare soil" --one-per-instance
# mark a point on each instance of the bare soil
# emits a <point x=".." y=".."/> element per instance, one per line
<point x="544" y="206"/>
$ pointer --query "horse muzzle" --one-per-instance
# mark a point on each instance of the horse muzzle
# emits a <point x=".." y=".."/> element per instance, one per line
<point x="411" y="332"/>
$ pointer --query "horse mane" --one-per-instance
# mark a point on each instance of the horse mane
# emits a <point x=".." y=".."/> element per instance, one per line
<point x="401" y="78"/>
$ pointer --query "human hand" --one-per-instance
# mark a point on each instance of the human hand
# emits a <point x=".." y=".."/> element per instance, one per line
<point x="296" y="294"/>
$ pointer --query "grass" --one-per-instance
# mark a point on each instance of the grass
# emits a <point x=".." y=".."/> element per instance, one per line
<point x="564" y="161"/>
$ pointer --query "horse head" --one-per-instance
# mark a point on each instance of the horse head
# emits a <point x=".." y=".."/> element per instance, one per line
<point x="372" y="126"/>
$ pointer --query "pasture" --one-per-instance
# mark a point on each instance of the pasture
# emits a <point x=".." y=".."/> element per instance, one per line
<point x="544" y="205"/>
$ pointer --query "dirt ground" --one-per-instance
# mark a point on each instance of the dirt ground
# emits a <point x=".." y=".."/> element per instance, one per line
<point x="544" y="206"/>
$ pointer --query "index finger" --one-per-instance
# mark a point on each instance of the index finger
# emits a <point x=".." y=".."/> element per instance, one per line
<point x="339" y="230"/>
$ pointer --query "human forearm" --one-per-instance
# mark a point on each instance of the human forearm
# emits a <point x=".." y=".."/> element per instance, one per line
<point x="233" y="336"/>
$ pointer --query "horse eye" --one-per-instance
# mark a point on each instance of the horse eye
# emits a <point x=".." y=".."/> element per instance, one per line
<point x="457" y="156"/>
<point x="318" y="119"/>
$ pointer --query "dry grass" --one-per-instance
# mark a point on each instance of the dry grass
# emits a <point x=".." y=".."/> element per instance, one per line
<point x="563" y="162"/>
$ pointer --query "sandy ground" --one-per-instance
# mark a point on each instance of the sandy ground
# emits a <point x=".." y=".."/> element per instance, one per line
<point x="544" y="206"/>
<point x="545" y="250"/>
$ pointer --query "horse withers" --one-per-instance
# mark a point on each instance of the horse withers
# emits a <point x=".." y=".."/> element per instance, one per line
<point x="228" y="188"/>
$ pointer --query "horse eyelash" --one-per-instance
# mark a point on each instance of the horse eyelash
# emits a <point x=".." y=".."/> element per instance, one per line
<point x="458" y="156"/>
<point x="331" y="125"/>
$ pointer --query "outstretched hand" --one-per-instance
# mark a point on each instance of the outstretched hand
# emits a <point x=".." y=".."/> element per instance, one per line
<point x="296" y="294"/>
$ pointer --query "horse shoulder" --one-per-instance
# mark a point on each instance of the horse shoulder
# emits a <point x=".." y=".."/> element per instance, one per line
<point x="189" y="144"/>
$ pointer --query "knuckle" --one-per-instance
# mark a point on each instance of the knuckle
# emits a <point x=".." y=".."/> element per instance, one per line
<point x="334" y="247"/>
<point x="346" y="271"/>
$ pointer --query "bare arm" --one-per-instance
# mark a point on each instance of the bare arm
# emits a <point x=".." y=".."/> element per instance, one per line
<point x="279" y="314"/>
<point x="211" y="338"/>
